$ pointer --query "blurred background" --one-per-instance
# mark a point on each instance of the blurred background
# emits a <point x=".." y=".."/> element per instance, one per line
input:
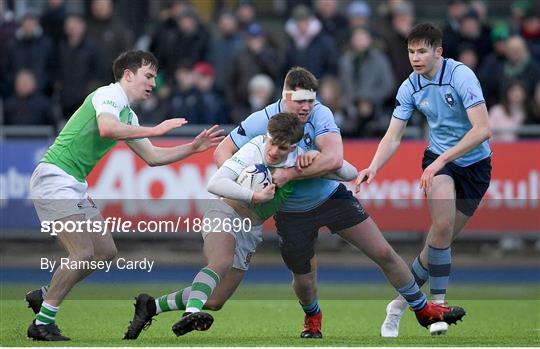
<point x="220" y="60"/>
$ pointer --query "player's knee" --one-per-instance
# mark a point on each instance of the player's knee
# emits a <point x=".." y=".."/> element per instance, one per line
<point x="85" y="253"/>
<point x="298" y="260"/>
<point x="442" y="227"/>
<point x="386" y="256"/>
<point x="306" y="281"/>
<point x="221" y="266"/>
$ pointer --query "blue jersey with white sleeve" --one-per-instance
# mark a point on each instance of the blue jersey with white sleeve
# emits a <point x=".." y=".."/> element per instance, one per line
<point x="308" y="193"/>
<point x="444" y="101"/>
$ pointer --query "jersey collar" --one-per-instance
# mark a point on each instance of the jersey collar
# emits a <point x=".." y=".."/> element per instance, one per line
<point x="119" y="87"/>
<point x="437" y="79"/>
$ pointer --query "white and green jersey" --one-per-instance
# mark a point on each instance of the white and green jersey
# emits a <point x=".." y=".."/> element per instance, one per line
<point x="252" y="153"/>
<point x="79" y="145"/>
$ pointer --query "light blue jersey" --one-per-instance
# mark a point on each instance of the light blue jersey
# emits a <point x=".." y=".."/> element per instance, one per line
<point x="308" y="193"/>
<point x="444" y="101"/>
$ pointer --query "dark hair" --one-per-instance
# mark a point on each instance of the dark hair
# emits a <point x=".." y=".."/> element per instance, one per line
<point x="298" y="77"/>
<point x="285" y="129"/>
<point x="505" y="102"/>
<point x="426" y="33"/>
<point x="133" y="60"/>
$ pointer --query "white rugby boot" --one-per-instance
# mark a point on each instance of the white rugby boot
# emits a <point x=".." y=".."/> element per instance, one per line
<point x="394" y="312"/>
<point x="438" y="328"/>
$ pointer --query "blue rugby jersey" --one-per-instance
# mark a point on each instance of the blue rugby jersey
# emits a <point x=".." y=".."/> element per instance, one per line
<point x="444" y="101"/>
<point x="308" y="193"/>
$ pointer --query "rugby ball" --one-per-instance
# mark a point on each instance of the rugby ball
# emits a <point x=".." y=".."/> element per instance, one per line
<point x="255" y="177"/>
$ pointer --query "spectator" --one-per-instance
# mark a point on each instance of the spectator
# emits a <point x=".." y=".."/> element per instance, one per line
<point x="307" y="46"/>
<point x="112" y="34"/>
<point x="520" y="65"/>
<point x="530" y="30"/>
<point x="31" y="50"/>
<point x="27" y="106"/>
<point x="334" y="24"/>
<point x="185" y="100"/>
<point x="226" y="44"/>
<point x="491" y="69"/>
<point x="81" y="68"/>
<point x="468" y="56"/>
<point x="366" y="77"/>
<point x="508" y="116"/>
<point x="358" y="14"/>
<point x="472" y="34"/>
<point x="256" y="58"/>
<point x="481" y="8"/>
<point x="330" y="94"/>
<point x="246" y="15"/>
<point x="533" y="109"/>
<point x="395" y="41"/>
<point x="518" y="9"/>
<point x="189" y="42"/>
<point x="53" y="19"/>
<point x="8" y="26"/>
<point x="213" y="104"/>
<point x="452" y="26"/>
<point x="261" y="91"/>
<point x="167" y="25"/>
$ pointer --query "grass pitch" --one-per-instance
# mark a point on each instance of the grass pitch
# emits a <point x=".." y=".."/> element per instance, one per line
<point x="268" y="315"/>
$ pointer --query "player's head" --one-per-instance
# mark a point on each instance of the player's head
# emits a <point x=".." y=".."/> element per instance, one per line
<point x="299" y="91"/>
<point x="136" y="70"/>
<point x="424" y="44"/>
<point x="285" y="130"/>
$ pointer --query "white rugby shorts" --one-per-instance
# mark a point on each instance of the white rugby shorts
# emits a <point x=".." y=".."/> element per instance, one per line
<point x="246" y="240"/>
<point x="57" y="195"/>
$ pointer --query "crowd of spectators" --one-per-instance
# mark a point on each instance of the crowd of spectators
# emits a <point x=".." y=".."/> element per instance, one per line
<point x="219" y="71"/>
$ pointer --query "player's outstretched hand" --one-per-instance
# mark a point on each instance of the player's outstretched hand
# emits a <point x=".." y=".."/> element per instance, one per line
<point x="306" y="159"/>
<point x="264" y="195"/>
<point x="168" y="125"/>
<point x="207" y="139"/>
<point x="366" y="175"/>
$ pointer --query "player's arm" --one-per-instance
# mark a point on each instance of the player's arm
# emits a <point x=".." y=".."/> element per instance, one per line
<point x="329" y="160"/>
<point x="224" y="151"/>
<point x="480" y="132"/>
<point x="223" y="184"/>
<point x="346" y="173"/>
<point x="111" y="127"/>
<point x="386" y="149"/>
<point x="157" y="156"/>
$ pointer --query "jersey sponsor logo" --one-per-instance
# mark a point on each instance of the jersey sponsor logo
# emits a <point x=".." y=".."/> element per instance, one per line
<point x="424" y="103"/>
<point x="111" y="103"/>
<point x="449" y="99"/>
<point x="237" y="160"/>
<point x="241" y="130"/>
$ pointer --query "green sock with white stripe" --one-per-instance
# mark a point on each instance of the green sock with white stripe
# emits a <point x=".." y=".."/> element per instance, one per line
<point x="173" y="301"/>
<point x="47" y="314"/>
<point x="201" y="289"/>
